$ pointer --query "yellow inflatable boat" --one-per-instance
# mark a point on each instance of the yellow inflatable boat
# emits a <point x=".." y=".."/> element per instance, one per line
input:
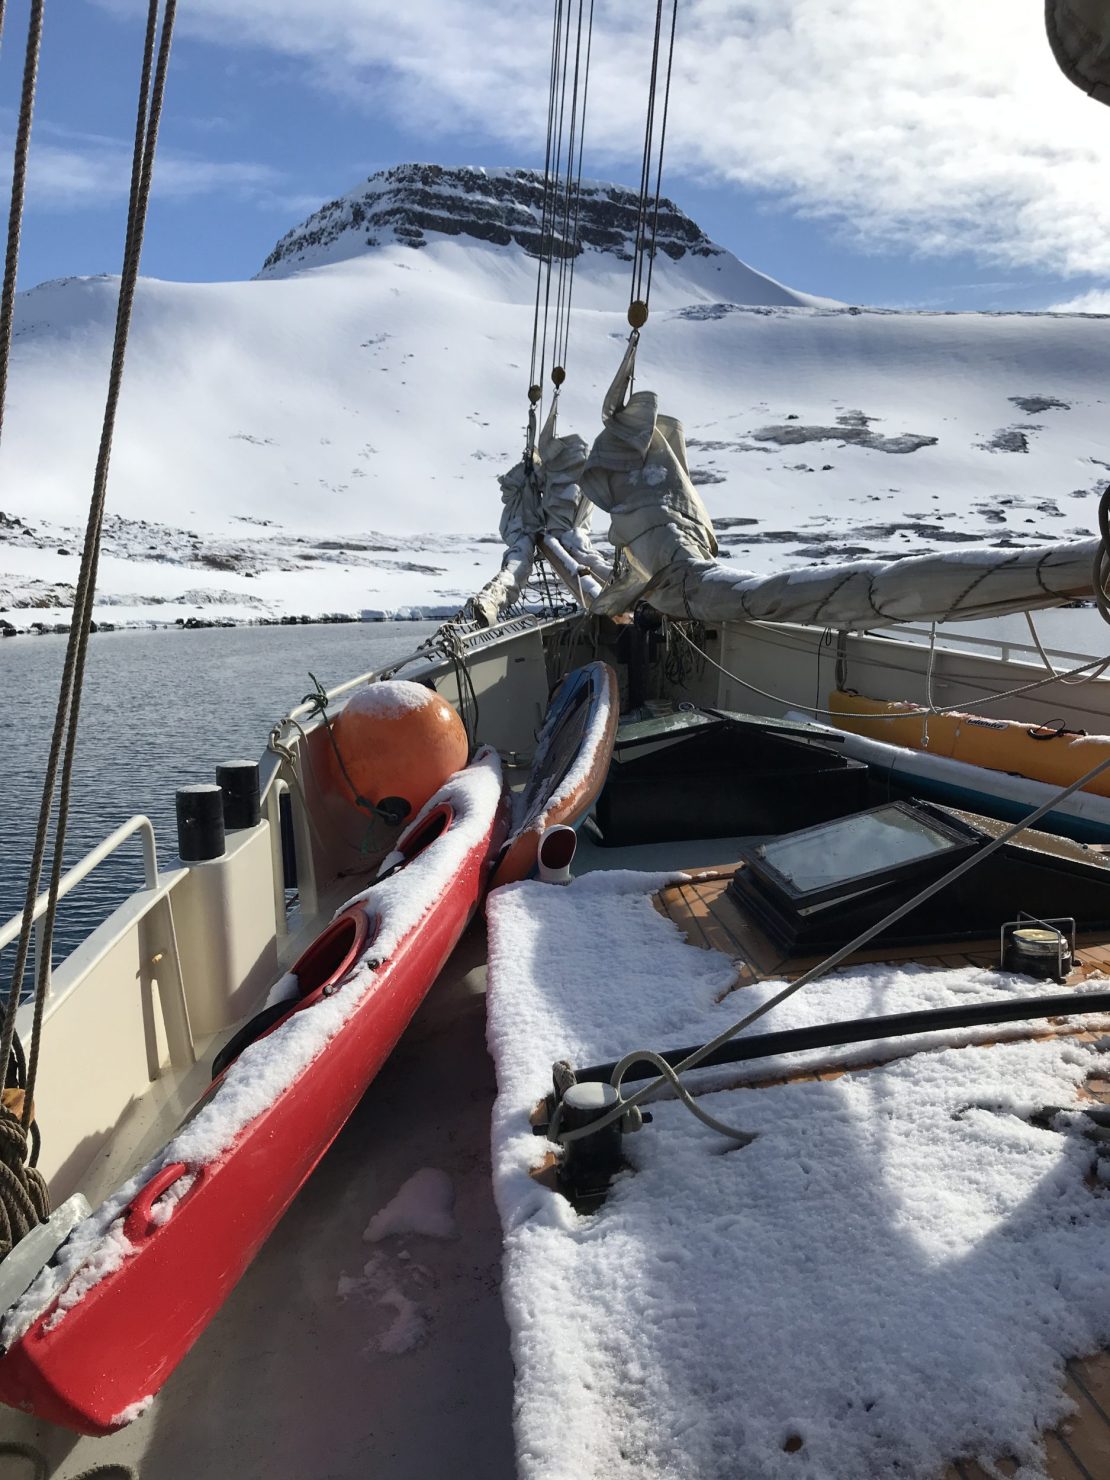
<point x="1042" y="753"/>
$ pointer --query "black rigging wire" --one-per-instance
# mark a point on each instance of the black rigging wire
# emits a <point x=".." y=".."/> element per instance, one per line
<point x="568" y="92"/>
<point x="643" y="256"/>
<point x="556" y="34"/>
<point x="569" y="244"/>
<point x="151" y="94"/>
<point x="578" y="177"/>
<point x="19" y="186"/>
<point x="558" y="171"/>
<point x="662" y="142"/>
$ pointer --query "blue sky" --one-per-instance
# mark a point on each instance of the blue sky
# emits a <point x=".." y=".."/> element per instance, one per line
<point x="843" y="149"/>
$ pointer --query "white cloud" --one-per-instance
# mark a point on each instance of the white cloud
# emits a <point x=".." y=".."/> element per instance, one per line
<point x="1096" y="301"/>
<point x="932" y="129"/>
<point x="72" y="171"/>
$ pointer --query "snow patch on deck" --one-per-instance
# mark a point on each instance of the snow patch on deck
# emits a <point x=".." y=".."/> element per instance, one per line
<point x="424" y="1205"/>
<point x="889" y="1278"/>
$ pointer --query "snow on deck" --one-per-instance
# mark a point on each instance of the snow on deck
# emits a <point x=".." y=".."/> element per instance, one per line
<point x="889" y="1278"/>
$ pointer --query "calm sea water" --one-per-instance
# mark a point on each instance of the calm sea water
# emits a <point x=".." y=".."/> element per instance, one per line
<point x="160" y="710"/>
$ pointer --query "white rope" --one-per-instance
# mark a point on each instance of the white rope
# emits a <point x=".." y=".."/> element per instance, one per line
<point x="932" y="709"/>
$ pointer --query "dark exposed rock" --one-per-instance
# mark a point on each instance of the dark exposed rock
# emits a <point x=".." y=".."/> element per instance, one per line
<point x="850" y="428"/>
<point x="1007" y="440"/>
<point x="1031" y="405"/>
<point x="502" y="206"/>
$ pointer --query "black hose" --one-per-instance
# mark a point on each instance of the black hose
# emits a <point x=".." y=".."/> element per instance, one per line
<point x="864" y="1030"/>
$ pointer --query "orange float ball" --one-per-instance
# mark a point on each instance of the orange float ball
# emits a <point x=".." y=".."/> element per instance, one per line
<point x="397" y="739"/>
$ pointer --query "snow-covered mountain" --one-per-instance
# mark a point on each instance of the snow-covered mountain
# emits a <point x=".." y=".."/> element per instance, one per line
<point x="326" y="437"/>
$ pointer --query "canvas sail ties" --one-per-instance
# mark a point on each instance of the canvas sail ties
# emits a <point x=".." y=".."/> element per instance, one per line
<point x="156" y="53"/>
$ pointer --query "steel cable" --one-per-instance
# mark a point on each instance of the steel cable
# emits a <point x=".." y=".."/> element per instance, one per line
<point x="151" y="96"/>
<point x="19" y="189"/>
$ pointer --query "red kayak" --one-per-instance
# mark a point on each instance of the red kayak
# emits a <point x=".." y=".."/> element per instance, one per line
<point x="135" y="1284"/>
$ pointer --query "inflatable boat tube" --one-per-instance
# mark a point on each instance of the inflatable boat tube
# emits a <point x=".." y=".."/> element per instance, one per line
<point x="1056" y="756"/>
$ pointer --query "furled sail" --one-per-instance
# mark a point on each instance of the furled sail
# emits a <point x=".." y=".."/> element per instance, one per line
<point x="566" y="512"/>
<point x="637" y="473"/>
<point x="972" y="582"/>
<point x="521" y="522"/>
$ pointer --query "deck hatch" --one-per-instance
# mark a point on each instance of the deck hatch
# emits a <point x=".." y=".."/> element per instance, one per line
<point x="815" y="889"/>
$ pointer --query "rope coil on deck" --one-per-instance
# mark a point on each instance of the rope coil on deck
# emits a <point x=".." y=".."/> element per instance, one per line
<point x="24" y="1198"/>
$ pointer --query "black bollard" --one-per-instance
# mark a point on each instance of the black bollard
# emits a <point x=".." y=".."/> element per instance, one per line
<point x="238" y="780"/>
<point x="288" y="841"/>
<point x="200" y="822"/>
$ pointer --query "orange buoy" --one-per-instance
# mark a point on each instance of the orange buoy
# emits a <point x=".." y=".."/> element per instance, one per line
<point x="396" y="740"/>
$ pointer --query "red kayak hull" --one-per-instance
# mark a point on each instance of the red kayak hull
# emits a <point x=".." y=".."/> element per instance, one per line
<point x="116" y="1347"/>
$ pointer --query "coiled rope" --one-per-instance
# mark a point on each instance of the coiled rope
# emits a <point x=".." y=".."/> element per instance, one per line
<point x="159" y="35"/>
<point x="40" y="1470"/>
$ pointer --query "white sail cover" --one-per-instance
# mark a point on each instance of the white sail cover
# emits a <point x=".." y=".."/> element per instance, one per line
<point x="637" y="473"/>
<point x="566" y="511"/>
<point x="521" y="522"/>
<point x="972" y="582"/>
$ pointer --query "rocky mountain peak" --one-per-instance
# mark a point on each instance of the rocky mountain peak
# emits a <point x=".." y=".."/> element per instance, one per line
<point x="407" y="204"/>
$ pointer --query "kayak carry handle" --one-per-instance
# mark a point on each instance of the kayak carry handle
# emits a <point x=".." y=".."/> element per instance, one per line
<point x="138" y="1223"/>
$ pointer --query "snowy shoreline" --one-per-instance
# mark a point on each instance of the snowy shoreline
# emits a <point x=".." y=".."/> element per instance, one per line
<point x="10" y="621"/>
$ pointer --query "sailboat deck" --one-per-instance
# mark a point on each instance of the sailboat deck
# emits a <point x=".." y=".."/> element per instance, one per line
<point x="702" y="909"/>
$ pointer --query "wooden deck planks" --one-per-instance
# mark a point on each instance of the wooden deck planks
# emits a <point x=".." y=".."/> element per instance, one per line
<point x="710" y="920"/>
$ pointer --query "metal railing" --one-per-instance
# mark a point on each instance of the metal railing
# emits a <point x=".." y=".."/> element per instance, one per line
<point x="1000" y="647"/>
<point x="81" y="870"/>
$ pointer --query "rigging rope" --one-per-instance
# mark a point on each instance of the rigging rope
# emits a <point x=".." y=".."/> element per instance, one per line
<point x="572" y="197"/>
<point x="535" y="388"/>
<point x="151" y="95"/>
<point x="643" y="253"/>
<point x="561" y="201"/>
<point x="19" y="186"/>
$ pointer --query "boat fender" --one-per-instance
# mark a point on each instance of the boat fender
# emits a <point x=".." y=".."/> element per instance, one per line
<point x="558" y="845"/>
